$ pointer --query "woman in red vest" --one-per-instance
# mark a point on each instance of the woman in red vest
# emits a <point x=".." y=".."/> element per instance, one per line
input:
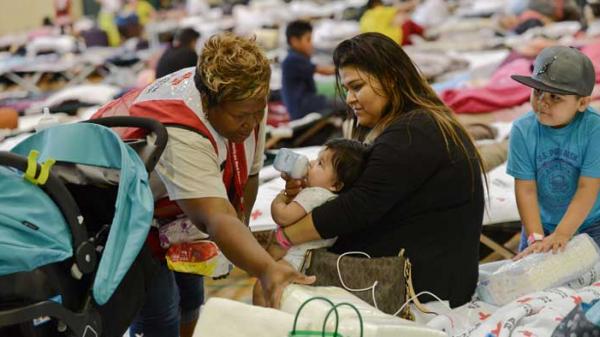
<point x="208" y="173"/>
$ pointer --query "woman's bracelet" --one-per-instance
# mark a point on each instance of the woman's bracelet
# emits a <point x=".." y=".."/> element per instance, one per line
<point x="282" y="239"/>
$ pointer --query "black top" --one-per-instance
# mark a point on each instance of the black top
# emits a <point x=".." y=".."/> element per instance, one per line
<point x="414" y="195"/>
<point x="174" y="59"/>
<point x="298" y="88"/>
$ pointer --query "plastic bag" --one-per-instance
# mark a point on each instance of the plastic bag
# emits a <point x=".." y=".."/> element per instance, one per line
<point x="221" y="317"/>
<point x="201" y="257"/>
<point x="375" y="322"/>
<point x="178" y="231"/>
<point x="538" y="272"/>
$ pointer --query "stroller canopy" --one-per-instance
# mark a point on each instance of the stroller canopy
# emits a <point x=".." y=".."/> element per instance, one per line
<point x="93" y="145"/>
<point x="33" y="231"/>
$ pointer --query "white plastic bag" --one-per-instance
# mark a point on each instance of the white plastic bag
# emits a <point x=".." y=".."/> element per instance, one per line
<point x="538" y="272"/>
<point x="226" y="318"/>
<point x="376" y="323"/>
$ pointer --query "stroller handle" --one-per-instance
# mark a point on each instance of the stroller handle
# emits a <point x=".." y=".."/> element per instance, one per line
<point x="150" y="154"/>
<point x="57" y="191"/>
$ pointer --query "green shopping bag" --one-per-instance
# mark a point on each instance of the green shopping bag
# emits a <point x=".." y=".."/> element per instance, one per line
<point x="323" y="333"/>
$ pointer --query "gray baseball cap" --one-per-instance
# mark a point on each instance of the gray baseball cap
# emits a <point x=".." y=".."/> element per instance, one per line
<point x="561" y="70"/>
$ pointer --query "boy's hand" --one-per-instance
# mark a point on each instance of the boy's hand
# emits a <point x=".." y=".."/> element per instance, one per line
<point x="556" y="242"/>
<point x="535" y="247"/>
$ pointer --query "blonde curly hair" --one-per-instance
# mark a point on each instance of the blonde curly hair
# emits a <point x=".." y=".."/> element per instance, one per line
<point x="232" y="68"/>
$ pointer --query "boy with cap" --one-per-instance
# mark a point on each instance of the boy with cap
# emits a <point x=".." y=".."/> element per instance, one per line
<point x="554" y="153"/>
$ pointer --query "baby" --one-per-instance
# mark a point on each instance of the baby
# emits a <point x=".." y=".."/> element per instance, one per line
<point x="337" y="167"/>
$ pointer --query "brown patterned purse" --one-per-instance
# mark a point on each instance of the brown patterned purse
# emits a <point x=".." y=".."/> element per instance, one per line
<point x="383" y="282"/>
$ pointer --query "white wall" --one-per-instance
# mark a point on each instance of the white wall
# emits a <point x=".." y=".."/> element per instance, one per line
<point x="23" y="15"/>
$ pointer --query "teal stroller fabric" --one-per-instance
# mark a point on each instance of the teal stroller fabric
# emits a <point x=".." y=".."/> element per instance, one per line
<point x="27" y="240"/>
<point x="95" y="145"/>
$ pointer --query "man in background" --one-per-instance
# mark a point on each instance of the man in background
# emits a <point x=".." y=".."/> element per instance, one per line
<point x="181" y="54"/>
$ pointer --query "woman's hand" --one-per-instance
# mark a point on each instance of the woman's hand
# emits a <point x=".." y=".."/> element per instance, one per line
<point x="293" y="186"/>
<point x="278" y="276"/>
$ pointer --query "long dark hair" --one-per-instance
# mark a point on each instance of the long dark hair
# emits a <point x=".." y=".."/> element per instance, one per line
<point x="403" y="85"/>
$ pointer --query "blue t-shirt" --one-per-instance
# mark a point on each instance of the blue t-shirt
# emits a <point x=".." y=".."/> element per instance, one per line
<point x="298" y="88"/>
<point x="555" y="159"/>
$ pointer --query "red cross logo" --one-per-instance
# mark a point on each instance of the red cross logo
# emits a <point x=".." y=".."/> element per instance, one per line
<point x="256" y="214"/>
<point x="496" y="332"/>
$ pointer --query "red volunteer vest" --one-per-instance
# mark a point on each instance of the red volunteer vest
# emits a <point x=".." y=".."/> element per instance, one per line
<point x="174" y="101"/>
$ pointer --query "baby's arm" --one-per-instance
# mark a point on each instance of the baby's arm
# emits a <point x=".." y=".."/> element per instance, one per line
<point x="276" y="251"/>
<point x="286" y="212"/>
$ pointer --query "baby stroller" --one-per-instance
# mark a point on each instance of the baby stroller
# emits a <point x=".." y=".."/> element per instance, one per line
<point x="73" y="259"/>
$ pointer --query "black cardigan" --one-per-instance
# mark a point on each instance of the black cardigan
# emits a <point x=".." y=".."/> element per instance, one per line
<point x="414" y="195"/>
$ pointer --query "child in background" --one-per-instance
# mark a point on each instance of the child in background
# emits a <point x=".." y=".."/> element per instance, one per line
<point x="554" y="153"/>
<point x="337" y="167"/>
<point x="298" y="88"/>
<point x="391" y="21"/>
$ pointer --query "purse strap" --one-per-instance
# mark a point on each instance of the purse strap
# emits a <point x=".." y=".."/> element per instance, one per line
<point x="411" y="296"/>
<point x="411" y="291"/>
<point x="339" y="272"/>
